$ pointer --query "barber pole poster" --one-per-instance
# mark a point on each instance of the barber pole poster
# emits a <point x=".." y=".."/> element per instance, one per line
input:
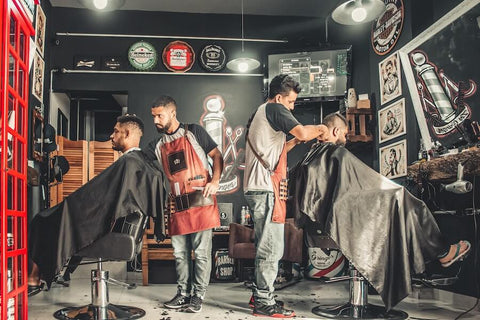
<point x="441" y="69"/>
<point x="227" y="139"/>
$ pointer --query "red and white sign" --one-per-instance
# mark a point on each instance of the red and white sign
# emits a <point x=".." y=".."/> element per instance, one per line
<point x="178" y="56"/>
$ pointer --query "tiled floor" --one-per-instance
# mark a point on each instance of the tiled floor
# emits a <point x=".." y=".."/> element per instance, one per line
<point x="229" y="301"/>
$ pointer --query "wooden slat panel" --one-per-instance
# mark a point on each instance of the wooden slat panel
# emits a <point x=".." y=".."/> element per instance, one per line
<point x="76" y="154"/>
<point x="101" y="155"/>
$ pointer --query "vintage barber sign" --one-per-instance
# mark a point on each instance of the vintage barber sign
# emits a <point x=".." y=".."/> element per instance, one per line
<point x="178" y="56"/>
<point x="213" y="58"/>
<point x="387" y="28"/>
<point x="142" y="56"/>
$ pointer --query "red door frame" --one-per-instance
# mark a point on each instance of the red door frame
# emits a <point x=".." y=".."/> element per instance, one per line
<point x="13" y="172"/>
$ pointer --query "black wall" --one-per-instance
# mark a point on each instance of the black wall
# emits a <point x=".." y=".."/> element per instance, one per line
<point x="241" y="94"/>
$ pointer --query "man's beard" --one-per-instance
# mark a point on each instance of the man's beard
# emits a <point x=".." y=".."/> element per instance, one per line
<point x="165" y="128"/>
<point x="116" y="147"/>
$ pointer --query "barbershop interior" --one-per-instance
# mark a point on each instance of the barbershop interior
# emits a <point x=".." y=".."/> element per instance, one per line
<point x="382" y="223"/>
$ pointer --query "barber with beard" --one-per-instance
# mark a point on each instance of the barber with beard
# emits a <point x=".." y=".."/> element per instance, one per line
<point x="183" y="151"/>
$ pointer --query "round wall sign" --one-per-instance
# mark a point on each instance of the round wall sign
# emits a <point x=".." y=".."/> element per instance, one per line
<point x="213" y="58"/>
<point x="142" y="56"/>
<point x="178" y="56"/>
<point x="387" y="28"/>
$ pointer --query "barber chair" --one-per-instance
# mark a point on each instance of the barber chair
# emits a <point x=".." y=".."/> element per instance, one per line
<point x="241" y="244"/>
<point x="357" y="307"/>
<point x="122" y="243"/>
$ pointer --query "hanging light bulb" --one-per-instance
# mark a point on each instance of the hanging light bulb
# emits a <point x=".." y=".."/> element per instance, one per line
<point x="359" y="14"/>
<point x="100" y="4"/>
<point x="243" y="64"/>
<point x="354" y="12"/>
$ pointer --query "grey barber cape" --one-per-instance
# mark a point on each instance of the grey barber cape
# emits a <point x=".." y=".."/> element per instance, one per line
<point x="383" y="230"/>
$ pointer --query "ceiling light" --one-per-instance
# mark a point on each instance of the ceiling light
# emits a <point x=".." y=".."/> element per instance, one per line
<point x="358" y="11"/>
<point x="243" y="64"/>
<point x="100" y="4"/>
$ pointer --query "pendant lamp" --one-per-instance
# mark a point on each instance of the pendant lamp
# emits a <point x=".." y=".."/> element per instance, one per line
<point x="243" y="64"/>
<point x="102" y="5"/>
<point x="355" y="12"/>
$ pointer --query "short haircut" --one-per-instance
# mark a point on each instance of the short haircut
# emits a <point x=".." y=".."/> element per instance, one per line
<point x="283" y="84"/>
<point x="163" y="101"/>
<point x="331" y="119"/>
<point x="131" y="120"/>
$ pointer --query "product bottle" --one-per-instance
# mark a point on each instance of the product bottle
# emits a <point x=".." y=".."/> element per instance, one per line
<point x="242" y="215"/>
<point x="248" y="217"/>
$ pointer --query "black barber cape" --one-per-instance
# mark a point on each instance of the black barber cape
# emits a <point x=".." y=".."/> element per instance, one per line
<point x="383" y="230"/>
<point x="130" y="184"/>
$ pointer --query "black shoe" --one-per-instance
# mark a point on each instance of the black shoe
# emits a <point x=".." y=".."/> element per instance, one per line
<point x="179" y="301"/>
<point x="195" y="304"/>
<point x="251" y="303"/>
<point x="274" y="311"/>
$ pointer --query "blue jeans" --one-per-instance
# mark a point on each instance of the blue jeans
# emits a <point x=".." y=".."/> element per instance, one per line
<point x="193" y="280"/>
<point x="269" y="242"/>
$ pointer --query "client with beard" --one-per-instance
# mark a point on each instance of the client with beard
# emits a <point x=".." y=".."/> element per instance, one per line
<point x="130" y="184"/>
<point x="385" y="232"/>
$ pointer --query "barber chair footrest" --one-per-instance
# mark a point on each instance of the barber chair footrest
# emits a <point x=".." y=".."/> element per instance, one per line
<point x="89" y="312"/>
<point x="349" y="311"/>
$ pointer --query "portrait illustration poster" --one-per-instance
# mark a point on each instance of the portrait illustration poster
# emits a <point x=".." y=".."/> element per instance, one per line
<point x="38" y="77"/>
<point x="391" y="121"/>
<point x="40" y="23"/>
<point x="393" y="160"/>
<point x="390" y="78"/>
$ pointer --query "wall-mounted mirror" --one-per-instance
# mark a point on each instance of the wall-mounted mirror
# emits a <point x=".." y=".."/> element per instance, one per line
<point x="37" y="136"/>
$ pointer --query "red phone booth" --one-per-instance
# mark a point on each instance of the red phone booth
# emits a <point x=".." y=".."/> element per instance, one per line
<point x="16" y="29"/>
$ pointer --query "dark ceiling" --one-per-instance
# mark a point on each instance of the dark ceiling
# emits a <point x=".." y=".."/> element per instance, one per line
<point x="302" y="8"/>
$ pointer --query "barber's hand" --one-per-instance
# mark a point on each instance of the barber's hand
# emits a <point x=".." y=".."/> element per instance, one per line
<point x="210" y="188"/>
<point x="324" y="132"/>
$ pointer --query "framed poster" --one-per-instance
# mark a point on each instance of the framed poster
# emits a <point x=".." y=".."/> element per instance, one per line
<point x="441" y="70"/>
<point x="391" y="121"/>
<point x="40" y="23"/>
<point x="38" y="77"/>
<point x="390" y="78"/>
<point x="393" y="160"/>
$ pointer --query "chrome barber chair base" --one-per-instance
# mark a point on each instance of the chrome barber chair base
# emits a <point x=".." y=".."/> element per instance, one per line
<point x="349" y="311"/>
<point x="89" y="312"/>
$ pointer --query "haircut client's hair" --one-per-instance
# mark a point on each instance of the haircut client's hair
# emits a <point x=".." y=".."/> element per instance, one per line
<point x="331" y="119"/>
<point x="283" y="84"/>
<point x="131" y="120"/>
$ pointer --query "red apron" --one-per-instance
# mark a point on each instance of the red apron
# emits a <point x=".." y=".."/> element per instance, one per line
<point x="185" y="171"/>
<point x="279" y="183"/>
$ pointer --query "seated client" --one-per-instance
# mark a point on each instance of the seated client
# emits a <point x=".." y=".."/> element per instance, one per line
<point x="384" y="231"/>
<point x="130" y="184"/>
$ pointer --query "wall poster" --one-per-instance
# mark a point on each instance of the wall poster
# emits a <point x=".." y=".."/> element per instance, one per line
<point x="40" y="23"/>
<point x="38" y="77"/>
<point x="391" y="121"/>
<point x="393" y="160"/>
<point x="442" y="73"/>
<point x="390" y="78"/>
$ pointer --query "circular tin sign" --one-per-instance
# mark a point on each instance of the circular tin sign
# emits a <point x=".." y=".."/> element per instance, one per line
<point x="213" y="58"/>
<point x="142" y="56"/>
<point x="178" y="56"/>
<point x="386" y="29"/>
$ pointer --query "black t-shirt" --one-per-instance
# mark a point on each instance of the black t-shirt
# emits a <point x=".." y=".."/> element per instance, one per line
<point x="202" y="136"/>
<point x="280" y="118"/>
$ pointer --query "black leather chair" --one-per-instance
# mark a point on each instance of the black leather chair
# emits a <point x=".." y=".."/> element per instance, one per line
<point x="123" y="243"/>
